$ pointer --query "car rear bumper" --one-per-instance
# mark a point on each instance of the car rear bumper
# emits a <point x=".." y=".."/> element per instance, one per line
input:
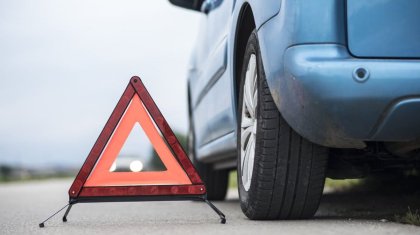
<point x="336" y="100"/>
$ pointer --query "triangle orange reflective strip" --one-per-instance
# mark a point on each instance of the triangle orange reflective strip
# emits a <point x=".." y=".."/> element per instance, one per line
<point x="136" y="106"/>
<point x="101" y="176"/>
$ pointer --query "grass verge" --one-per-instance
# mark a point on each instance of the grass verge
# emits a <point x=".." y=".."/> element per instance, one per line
<point x="233" y="182"/>
<point x="338" y="185"/>
<point x="330" y="183"/>
<point x="410" y="217"/>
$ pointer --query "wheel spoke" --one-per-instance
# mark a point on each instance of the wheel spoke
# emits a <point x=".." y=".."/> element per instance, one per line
<point x="249" y="86"/>
<point x="252" y="73"/>
<point x="245" y="161"/>
<point x="251" y="156"/>
<point x="248" y="100"/>
<point x="246" y="121"/>
<point x="246" y="132"/>
<point x="248" y="161"/>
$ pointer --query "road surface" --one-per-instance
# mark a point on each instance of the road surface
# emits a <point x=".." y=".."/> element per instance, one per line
<point x="24" y="205"/>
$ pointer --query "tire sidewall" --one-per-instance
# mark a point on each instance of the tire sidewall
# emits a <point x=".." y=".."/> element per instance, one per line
<point x="252" y="48"/>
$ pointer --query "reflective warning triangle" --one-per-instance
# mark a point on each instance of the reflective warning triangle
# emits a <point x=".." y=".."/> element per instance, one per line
<point x="95" y="179"/>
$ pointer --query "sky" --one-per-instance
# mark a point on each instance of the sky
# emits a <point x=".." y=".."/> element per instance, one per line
<point x="64" y="65"/>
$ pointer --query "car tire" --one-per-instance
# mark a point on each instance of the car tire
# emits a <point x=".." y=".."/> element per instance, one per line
<point x="281" y="175"/>
<point x="216" y="181"/>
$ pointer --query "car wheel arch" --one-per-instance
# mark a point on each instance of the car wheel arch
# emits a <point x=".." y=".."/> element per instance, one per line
<point x="245" y="26"/>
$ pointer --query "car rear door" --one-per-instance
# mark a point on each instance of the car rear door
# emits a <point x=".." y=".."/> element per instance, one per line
<point x="210" y="94"/>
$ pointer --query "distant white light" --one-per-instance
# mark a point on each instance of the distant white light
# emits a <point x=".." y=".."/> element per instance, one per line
<point x="113" y="167"/>
<point x="136" y="166"/>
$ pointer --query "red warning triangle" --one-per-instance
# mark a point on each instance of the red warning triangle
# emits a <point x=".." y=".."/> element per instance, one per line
<point x="95" y="178"/>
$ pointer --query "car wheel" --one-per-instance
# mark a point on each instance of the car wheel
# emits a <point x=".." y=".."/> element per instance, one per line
<point x="216" y="181"/>
<point x="280" y="174"/>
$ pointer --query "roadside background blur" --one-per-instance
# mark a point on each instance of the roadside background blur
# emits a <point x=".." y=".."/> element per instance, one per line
<point x="65" y="64"/>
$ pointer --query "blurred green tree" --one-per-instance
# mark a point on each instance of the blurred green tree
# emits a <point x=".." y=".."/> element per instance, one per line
<point x="156" y="163"/>
<point x="5" y="172"/>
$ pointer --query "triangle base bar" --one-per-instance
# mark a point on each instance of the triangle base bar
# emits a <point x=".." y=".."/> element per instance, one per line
<point x="156" y="190"/>
<point x="132" y="199"/>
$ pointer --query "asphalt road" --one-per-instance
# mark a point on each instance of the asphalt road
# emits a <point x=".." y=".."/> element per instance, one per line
<point x="24" y="205"/>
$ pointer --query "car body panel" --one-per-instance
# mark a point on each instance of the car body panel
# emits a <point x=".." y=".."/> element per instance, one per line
<point x="213" y="116"/>
<point x="207" y="74"/>
<point x="400" y="120"/>
<point x="325" y="103"/>
<point x="286" y="29"/>
<point x="384" y="28"/>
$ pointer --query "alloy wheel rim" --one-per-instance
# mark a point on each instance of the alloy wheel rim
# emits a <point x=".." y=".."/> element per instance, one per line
<point x="249" y="122"/>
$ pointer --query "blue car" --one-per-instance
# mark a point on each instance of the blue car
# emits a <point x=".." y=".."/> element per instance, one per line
<point x="289" y="92"/>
